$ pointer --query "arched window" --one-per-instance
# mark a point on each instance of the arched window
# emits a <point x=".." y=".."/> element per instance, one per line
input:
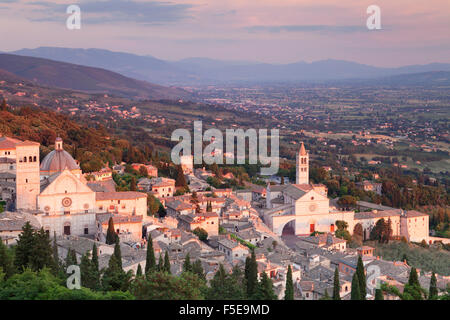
<point x="34" y="159"/>
<point x="30" y="159"/>
<point x="24" y="159"/>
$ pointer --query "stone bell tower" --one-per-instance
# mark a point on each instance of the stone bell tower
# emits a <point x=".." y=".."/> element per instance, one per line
<point x="27" y="175"/>
<point x="302" y="166"/>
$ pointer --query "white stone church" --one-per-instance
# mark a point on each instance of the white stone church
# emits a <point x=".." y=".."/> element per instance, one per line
<point x="57" y="194"/>
<point x="303" y="208"/>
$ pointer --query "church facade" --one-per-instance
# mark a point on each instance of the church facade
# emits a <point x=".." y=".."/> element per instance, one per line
<point x="58" y="195"/>
<point x="303" y="208"/>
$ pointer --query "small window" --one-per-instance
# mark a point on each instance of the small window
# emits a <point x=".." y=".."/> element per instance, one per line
<point x="86" y="230"/>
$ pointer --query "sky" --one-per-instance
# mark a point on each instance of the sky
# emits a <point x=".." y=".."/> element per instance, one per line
<point x="274" y="31"/>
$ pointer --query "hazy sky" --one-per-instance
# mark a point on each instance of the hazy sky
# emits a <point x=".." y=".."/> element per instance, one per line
<point x="277" y="31"/>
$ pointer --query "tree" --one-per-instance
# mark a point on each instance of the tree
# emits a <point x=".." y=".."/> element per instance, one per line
<point x="362" y="278"/>
<point x="150" y="262"/>
<point x="180" y="180"/>
<point x="356" y="291"/>
<point x="201" y="233"/>
<point x="336" y="285"/>
<point x="6" y="261"/>
<point x="198" y="269"/>
<point x="4" y="106"/>
<point x="139" y="271"/>
<point x="413" y="278"/>
<point x="289" y="291"/>
<point x="111" y="235"/>
<point x="160" y="265"/>
<point x="71" y="258"/>
<point x="342" y="231"/>
<point x="433" y="293"/>
<point x="379" y="294"/>
<point x="265" y="289"/>
<point x="224" y="286"/>
<point x="118" y="254"/>
<point x="251" y="274"/>
<point x="88" y="274"/>
<point x="152" y="205"/>
<point x="95" y="267"/>
<point x="133" y="184"/>
<point x="24" y="247"/>
<point x="56" y="263"/>
<point x="42" y="254"/>
<point x="187" y="267"/>
<point x="166" y="263"/>
<point x="164" y="286"/>
<point x="114" y="278"/>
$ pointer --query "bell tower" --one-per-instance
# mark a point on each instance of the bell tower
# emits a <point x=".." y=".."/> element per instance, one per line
<point x="27" y="175"/>
<point x="302" y="166"/>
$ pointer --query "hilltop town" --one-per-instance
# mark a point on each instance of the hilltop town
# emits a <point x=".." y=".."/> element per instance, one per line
<point x="293" y="232"/>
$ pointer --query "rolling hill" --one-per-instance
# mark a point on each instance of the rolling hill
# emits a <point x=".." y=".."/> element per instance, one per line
<point x="194" y="71"/>
<point x="88" y="79"/>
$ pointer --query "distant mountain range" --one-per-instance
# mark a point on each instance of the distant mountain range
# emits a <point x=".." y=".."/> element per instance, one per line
<point x="195" y="71"/>
<point x="64" y="75"/>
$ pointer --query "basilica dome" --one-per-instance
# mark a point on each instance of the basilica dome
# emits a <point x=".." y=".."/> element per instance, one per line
<point x="58" y="160"/>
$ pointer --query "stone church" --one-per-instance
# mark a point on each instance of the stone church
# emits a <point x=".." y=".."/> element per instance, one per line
<point x="58" y="195"/>
<point x="303" y="208"/>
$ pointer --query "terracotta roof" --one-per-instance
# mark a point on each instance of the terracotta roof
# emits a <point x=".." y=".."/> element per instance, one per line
<point x="125" y="195"/>
<point x="8" y="143"/>
<point x="414" y="213"/>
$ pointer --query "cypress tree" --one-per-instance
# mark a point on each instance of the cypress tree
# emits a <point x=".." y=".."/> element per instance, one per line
<point x="24" y="247"/>
<point x="379" y="294"/>
<point x="187" y="267"/>
<point x="95" y="257"/>
<point x="336" y="285"/>
<point x="251" y="274"/>
<point x="289" y="291"/>
<point x="86" y="270"/>
<point x="111" y="235"/>
<point x="356" y="291"/>
<point x="118" y="254"/>
<point x="361" y="278"/>
<point x="181" y="180"/>
<point x="433" y="294"/>
<point x="139" y="271"/>
<point x="95" y="267"/>
<point x="160" y="266"/>
<point x="413" y="278"/>
<point x="325" y="295"/>
<point x="71" y="258"/>
<point x="166" y="263"/>
<point x="56" y="262"/>
<point x="150" y="262"/>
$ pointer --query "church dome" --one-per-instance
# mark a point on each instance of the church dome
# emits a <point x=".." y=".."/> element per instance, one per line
<point x="58" y="160"/>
